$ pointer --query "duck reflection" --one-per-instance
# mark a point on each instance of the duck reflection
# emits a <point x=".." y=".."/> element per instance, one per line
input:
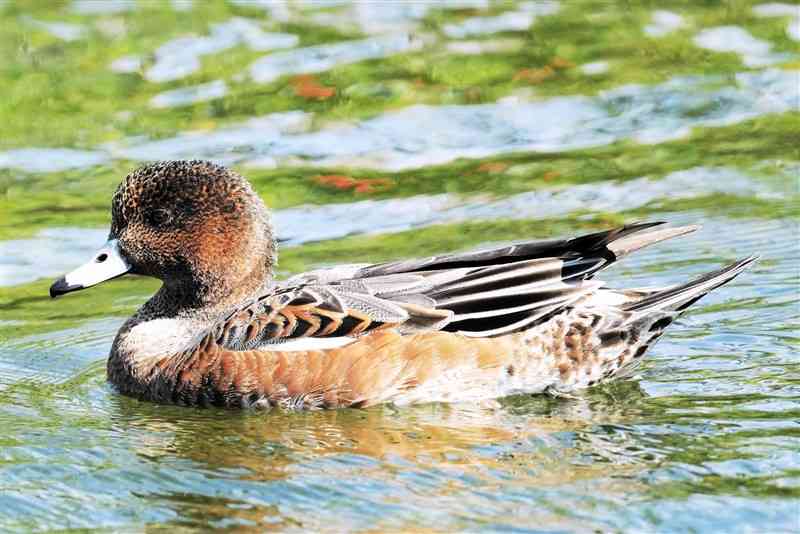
<point x="542" y="442"/>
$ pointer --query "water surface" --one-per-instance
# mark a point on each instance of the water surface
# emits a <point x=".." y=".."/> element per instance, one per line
<point x="378" y="132"/>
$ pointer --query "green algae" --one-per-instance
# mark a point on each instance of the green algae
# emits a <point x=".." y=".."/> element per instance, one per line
<point x="48" y="105"/>
<point x="31" y="305"/>
<point x="81" y="197"/>
<point x="42" y="91"/>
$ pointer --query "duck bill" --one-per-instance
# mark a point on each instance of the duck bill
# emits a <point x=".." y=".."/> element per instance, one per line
<point x="107" y="263"/>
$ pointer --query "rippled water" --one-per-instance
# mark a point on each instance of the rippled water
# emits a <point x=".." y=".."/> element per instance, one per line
<point x="379" y="131"/>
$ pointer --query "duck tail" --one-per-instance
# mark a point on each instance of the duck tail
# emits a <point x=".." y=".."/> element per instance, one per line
<point x="623" y="344"/>
<point x="678" y="298"/>
<point x="633" y="241"/>
<point x="651" y="315"/>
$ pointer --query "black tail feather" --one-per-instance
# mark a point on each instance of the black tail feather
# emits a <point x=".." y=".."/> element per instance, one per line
<point x="680" y="297"/>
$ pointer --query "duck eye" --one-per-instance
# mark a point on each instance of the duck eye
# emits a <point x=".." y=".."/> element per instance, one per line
<point x="158" y="217"/>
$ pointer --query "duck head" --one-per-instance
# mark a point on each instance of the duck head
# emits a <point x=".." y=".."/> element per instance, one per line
<point x="195" y="225"/>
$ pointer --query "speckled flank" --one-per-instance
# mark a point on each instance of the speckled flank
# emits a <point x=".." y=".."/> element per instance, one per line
<point x="384" y="366"/>
<point x="524" y="318"/>
<point x="591" y="345"/>
<point x="570" y="352"/>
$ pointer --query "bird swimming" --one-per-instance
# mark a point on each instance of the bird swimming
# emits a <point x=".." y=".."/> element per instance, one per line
<point x="469" y="326"/>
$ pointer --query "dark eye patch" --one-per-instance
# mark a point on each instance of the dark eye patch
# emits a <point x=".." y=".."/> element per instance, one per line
<point x="158" y="217"/>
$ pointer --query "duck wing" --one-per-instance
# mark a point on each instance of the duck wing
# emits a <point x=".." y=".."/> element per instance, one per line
<point x="481" y="293"/>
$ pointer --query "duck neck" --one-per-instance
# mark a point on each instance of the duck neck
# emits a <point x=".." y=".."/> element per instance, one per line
<point x="205" y="296"/>
<point x="220" y="282"/>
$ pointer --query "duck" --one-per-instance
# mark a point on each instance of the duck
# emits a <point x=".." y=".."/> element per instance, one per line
<point x="524" y="318"/>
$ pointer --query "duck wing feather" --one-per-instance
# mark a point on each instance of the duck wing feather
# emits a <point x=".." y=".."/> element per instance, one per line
<point x="481" y="293"/>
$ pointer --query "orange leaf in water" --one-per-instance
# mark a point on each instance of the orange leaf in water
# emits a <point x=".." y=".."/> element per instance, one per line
<point x="492" y="167"/>
<point x="371" y="185"/>
<point x="344" y="183"/>
<point x="534" y="75"/>
<point x="307" y="86"/>
<point x="339" y="181"/>
<point x="561" y="63"/>
<point x="363" y="188"/>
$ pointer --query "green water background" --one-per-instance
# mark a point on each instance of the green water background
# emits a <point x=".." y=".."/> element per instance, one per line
<point x="704" y="439"/>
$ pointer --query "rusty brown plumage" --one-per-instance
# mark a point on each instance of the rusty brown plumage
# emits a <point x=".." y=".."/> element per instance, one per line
<point x="383" y="366"/>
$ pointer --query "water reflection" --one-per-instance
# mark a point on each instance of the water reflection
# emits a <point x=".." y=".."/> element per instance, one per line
<point x="57" y="250"/>
<point x="180" y="57"/>
<point x="279" y="468"/>
<point x="428" y="135"/>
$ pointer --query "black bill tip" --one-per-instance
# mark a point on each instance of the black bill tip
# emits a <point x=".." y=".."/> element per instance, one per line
<point x="61" y="286"/>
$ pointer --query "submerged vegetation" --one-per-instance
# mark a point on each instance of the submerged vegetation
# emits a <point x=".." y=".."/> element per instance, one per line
<point x="47" y="105"/>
